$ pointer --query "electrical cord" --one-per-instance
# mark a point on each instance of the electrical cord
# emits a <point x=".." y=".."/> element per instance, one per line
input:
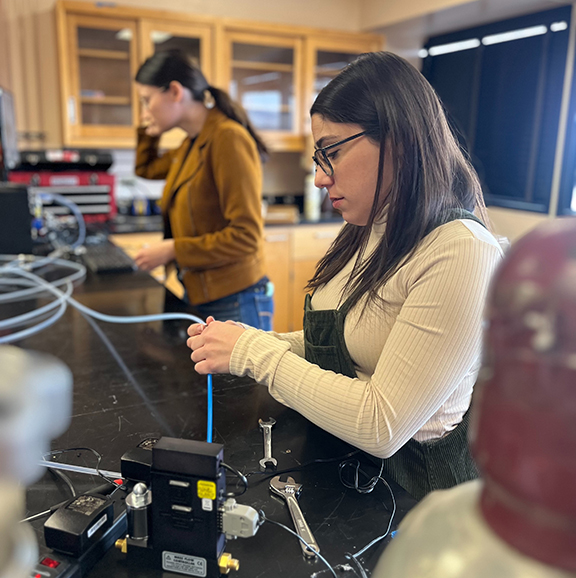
<point x="239" y="475"/>
<point x="66" y="479"/>
<point x="98" y="458"/>
<point x="366" y="488"/>
<point x="63" y="477"/>
<point x="47" y="512"/>
<point x="380" y="538"/>
<point x="266" y="475"/>
<point x="263" y="518"/>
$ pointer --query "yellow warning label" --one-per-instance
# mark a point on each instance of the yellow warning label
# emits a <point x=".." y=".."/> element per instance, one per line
<point x="206" y="489"/>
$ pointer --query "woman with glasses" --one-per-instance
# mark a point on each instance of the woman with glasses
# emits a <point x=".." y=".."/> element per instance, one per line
<point x="391" y="343"/>
<point x="211" y="202"/>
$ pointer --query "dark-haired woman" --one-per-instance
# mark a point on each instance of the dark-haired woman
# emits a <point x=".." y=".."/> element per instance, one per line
<point x="391" y="343"/>
<point x="212" y="197"/>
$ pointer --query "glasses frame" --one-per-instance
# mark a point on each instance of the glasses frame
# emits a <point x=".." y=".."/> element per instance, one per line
<point x="324" y="157"/>
<point x="146" y="105"/>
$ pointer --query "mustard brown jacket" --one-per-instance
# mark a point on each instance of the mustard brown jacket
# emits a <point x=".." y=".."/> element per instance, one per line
<point x="211" y="205"/>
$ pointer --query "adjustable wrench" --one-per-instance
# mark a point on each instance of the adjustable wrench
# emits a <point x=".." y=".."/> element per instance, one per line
<point x="266" y="427"/>
<point x="290" y="490"/>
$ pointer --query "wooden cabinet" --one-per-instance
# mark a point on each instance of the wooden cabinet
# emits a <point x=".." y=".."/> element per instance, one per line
<point x="292" y="254"/>
<point x="309" y="245"/>
<point x="263" y="74"/>
<point x="277" y="248"/>
<point x="325" y="57"/>
<point x="194" y="39"/>
<point x="273" y="70"/>
<point x="99" y="60"/>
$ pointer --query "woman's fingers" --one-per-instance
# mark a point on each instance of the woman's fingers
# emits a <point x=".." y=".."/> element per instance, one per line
<point x="195" y="329"/>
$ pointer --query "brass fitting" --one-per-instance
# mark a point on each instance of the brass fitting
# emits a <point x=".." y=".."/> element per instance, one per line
<point x="227" y="563"/>
<point x="122" y="545"/>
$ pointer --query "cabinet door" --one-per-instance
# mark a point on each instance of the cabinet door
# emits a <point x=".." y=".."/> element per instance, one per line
<point x="278" y="252"/>
<point x="264" y="77"/>
<point x="309" y="245"/>
<point x="326" y="56"/>
<point x="101" y="62"/>
<point x="194" y="40"/>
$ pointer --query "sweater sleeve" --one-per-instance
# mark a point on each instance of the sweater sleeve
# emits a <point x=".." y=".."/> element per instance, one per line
<point x="433" y="344"/>
<point x="238" y="180"/>
<point x="150" y="164"/>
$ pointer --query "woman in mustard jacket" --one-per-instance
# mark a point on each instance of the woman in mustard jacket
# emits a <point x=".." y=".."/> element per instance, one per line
<point x="212" y="198"/>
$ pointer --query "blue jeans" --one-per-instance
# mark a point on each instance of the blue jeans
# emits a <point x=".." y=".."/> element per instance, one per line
<point x="253" y="306"/>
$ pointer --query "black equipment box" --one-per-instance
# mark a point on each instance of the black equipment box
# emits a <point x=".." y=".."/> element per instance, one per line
<point x="15" y="220"/>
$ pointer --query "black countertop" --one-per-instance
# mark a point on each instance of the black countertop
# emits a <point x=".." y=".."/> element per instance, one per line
<point x="137" y="381"/>
<point x="153" y="224"/>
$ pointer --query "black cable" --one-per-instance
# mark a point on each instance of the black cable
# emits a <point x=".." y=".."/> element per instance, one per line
<point x="366" y="488"/>
<point x="63" y="477"/>
<point x="240" y="476"/>
<point x="379" y="538"/>
<point x="263" y="519"/>
<point x="271" y="474"/>
<point x="361" y="488"/>
<point x="98" y="458"/>
<point x="359" y="567"/>
<point x="44" y="513"/>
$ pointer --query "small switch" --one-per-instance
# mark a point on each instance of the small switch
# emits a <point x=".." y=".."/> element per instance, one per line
<point x="50" y="562"/>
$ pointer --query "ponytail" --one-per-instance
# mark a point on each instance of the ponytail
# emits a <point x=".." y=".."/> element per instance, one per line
<point x="235" y="111"/>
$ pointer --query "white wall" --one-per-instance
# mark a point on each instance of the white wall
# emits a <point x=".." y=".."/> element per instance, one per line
<point x="446" y="15"/>
<point x="514" y="224"/>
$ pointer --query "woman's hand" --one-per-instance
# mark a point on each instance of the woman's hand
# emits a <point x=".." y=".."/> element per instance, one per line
<point x="212" y="345"/>
<point x="153" y="129"/>
<point x="162" y="253"/>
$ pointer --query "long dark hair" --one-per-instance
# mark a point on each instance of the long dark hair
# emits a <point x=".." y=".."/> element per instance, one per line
<point x="397" y="107"/>
<point x="165" y="66"/>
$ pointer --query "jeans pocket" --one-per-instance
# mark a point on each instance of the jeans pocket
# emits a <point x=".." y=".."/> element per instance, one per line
<point x="224" y="309"/>
<point x="257" y="309"/>
<point x="265" y="308"/>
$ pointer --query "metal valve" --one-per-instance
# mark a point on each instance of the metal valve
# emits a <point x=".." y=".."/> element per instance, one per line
<point x="227" y="563"/>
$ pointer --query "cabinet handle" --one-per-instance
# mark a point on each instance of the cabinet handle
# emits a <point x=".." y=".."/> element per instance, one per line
<point x="71" y="110"/>
<point x="276" y="238"/>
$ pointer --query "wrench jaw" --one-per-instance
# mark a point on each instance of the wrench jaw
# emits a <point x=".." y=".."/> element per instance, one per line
<point x="266" y="463"/>
<point x="285" y="488"/>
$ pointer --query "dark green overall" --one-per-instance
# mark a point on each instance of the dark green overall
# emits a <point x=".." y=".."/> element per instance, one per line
<point x="419" y="467"/>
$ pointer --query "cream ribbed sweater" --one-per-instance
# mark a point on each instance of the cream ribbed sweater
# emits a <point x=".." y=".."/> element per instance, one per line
<point x="416" y="362"/>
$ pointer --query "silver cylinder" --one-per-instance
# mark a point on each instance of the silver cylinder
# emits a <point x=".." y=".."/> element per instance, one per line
<point x="137" y="508"/>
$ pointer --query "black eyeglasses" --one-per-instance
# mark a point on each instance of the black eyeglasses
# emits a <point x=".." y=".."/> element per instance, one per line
<point x="321" y="158"/>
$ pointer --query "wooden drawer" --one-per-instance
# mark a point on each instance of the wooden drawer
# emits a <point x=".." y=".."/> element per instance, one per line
<point x="312" y="241"/>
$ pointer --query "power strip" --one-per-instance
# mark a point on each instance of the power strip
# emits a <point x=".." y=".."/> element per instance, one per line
<point x="55" y="565"/>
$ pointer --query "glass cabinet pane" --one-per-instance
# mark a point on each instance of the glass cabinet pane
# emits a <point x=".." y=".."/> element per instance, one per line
<point x="163" y="40"/>
<point x="105" y="79"/>
<point x="328" y="65"/>
<point x="263" y="82"/>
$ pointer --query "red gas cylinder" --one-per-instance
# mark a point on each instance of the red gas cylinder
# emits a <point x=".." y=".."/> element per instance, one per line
<point x="523" y="431"/>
